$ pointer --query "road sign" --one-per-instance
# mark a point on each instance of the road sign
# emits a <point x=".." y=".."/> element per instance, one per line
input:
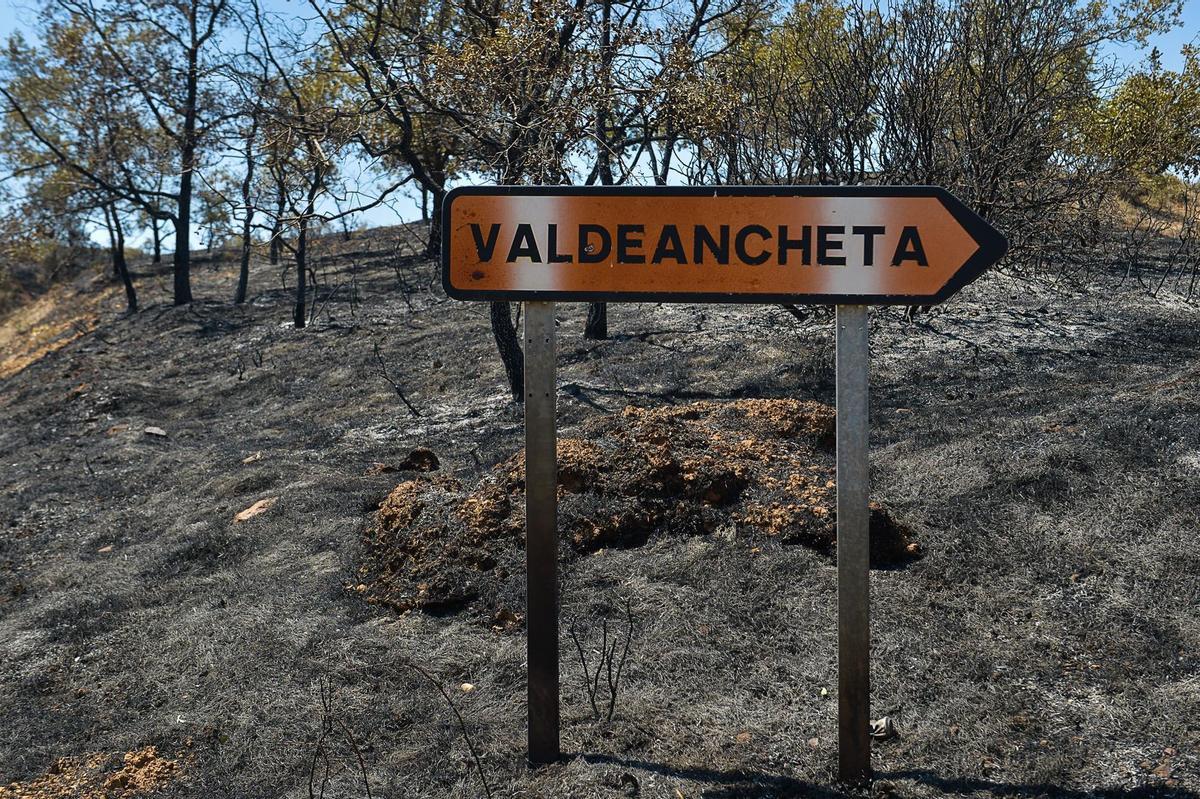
<point x="851" y="246"/>
<point x="897" y="245"/>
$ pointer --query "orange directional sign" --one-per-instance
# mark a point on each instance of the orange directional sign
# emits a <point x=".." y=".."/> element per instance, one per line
<point x="908" y="245"/>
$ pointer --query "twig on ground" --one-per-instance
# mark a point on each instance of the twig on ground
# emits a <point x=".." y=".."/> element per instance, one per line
<point x="462" y="725"/>
<point x="383" y="372"/>
<point x="321" y="752"/>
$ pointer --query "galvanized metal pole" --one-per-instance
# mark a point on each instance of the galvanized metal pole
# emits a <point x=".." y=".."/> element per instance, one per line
<point x="541" y="532"/>
<point x="853" y="547"/>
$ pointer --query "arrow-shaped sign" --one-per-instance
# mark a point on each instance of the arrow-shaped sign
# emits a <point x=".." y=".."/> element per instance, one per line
<point x="907" y="245"/>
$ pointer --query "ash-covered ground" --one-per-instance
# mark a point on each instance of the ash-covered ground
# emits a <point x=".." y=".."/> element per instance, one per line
<point x="1036" y="443"/>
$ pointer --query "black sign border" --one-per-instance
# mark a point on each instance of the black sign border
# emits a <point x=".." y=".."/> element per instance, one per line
<point x="992" y="244"/>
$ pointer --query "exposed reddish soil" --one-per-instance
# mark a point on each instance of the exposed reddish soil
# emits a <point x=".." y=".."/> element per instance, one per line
<point x="754" y="469"/>
<point x="99" y="776"/>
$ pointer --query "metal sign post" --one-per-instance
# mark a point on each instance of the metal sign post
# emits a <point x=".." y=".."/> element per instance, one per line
<point x="849" y="246"/>
<point x="853" y="547"/>
<point x="541" y="531"/>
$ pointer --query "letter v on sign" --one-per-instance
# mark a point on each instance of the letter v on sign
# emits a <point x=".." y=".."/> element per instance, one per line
<point x="920" y="245"/>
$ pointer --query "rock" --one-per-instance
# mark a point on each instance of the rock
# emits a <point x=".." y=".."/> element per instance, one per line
<point x="156" y="431"/>
<point x="420" y="460"/>
<point x="467" y="687"/>
<point x="884" y="728"/>
<point x="257" y="508"/>
<point x="257" y="456"/>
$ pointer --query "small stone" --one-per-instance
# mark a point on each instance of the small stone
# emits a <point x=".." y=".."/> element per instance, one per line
<point x="257" y="456"/>
<point x="467" y="687"/>
<point x="156" y="431"/>
<point x="420" y="460"/>
<point x="103" y="550"/>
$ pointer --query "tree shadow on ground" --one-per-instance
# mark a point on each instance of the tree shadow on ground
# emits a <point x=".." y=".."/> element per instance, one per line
<point x="970" y="785"/>
<point x="731" y="784"/>
<point x="751" y="784"/>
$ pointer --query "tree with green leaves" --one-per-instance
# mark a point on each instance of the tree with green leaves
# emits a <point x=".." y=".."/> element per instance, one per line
<point x="164" y="63"/>
<point x="1151" y="123"/>
<point x="65" y="93"/>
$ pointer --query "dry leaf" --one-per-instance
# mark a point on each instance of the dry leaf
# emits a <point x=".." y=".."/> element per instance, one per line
<point x="258" y="507"/>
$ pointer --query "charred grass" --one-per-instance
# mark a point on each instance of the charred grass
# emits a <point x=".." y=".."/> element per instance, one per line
<point x="1040" y="446"/>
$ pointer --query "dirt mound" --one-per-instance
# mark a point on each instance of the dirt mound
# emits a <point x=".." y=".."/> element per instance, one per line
<point x="750" y="468"/>
<point x="98" y="776"/>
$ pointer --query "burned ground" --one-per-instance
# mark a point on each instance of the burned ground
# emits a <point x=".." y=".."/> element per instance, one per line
<point x="1039" y="443"/>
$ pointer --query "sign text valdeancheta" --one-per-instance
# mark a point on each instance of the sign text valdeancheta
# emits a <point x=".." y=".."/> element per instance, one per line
<point x="753" y="244"/>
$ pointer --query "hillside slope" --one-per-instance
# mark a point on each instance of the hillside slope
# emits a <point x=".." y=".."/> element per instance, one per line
<point x="1041" y="445"/>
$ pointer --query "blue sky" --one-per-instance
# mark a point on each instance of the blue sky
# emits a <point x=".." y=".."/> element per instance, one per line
<point x="17" y="14"/>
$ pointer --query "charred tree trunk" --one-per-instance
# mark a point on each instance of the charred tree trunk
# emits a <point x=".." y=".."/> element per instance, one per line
<point x="248" y="211"/>
<point x="182" y="261"/>
<point x="596" y="326"/>
<point x="120" y="266"/>
<point x="239" y="296"/>
<point x="183" y="217"/>
<point x="298" y="314"/>
<point x="156" y="237"/>
<point x="510" y="348"/>
<point x="277" y="224"/>
<point x="433" y="246"/>
<point x="112" y="238"/>
<point x="310" y="204"/>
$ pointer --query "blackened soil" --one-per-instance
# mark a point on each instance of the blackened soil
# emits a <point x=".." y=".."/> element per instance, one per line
<point x="1038" y="442"/>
